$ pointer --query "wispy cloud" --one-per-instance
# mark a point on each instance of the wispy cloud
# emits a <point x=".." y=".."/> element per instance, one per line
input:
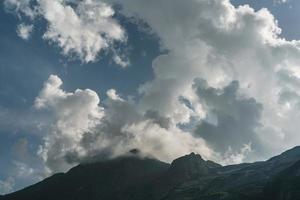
<point x="24" y="31"/>
<point x="7" y="185"/>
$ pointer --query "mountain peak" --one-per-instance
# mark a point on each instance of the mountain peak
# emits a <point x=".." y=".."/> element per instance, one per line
<point x="187" y="160"/>
<point x="190" y="157"/>
<point x="193" y="159"/>
<point x="191" y="166"/>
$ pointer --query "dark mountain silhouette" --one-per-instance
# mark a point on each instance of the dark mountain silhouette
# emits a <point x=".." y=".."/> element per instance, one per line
<point x="186" y="178"/>
<point x="285" y="185"/>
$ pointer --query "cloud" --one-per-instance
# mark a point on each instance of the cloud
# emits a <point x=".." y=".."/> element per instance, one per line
<point x="156" y="118"/>
<point x="7" y="185"/>
<point x="24" y="31"/>
<point x="20" y="7"/>
<point x="220" y="43"/>
<point x="25" y="161"/>
<point x="71" y="114"/>
<point x="20" y="150"/>
<point x="79" y="129"/>
<point x="281" y="1"/>
<point x="83" y="29"/>
<point x="165" y="144"/>
<point x="125" y="127"/>
<point x="231" y="119"/>
<point x="123" y="62"/>
<point x="25" y="167"/>
<point x="236" y="157"/>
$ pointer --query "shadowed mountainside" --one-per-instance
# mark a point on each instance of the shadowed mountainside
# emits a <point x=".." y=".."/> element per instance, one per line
<point x="186" y="178"/>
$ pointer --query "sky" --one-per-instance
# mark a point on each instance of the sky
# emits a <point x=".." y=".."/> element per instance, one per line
<point x="88" y="80"/>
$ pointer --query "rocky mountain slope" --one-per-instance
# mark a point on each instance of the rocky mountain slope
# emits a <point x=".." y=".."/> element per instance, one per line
<point x="186" y="178"/>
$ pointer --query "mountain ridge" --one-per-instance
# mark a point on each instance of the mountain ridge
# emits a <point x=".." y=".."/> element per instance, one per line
<point x="188" y="177"/>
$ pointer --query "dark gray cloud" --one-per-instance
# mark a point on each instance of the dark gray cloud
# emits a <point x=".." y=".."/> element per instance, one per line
<point x="163" y="122"/>
<point x="231" y="120"/>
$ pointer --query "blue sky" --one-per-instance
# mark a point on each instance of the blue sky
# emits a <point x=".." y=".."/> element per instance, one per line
<point x="144" y="91"/>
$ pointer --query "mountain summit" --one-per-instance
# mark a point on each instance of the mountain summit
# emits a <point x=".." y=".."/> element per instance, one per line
<point x="189" y="177"/>
<point x="191" y="166"/>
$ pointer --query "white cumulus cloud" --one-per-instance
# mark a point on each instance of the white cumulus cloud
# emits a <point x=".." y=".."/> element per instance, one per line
<point x="220" y="43"/>
<point x="71" y="114"/>
<point x="82" y="29"/>
<point x="79" y="129"/>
